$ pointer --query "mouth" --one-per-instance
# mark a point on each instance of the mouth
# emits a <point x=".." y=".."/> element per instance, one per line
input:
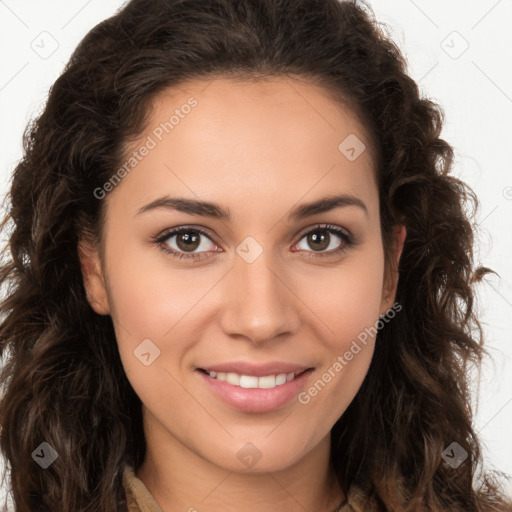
<point x="261" y="393"/>
<point x="251" y="381"/>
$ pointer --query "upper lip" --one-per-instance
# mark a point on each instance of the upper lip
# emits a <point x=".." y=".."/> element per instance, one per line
<point x="256" y="370"/>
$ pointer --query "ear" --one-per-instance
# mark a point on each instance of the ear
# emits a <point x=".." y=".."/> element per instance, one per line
<point x="391" y="278"/>
<point x="92" y="274"/>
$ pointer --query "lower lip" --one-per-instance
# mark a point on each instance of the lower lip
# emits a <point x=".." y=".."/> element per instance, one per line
<point x="256" y="399"/>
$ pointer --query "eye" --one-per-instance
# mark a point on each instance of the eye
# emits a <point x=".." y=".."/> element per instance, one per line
<point x="322" y="241"/>
<point x="193" y="243"/>
<point x="183" y="241"/>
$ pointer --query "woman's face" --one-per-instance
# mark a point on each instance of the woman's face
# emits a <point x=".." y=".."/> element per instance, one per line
<point x="253" y="286"/>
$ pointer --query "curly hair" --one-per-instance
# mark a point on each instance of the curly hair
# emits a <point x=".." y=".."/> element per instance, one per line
<point x="63" y="379"/>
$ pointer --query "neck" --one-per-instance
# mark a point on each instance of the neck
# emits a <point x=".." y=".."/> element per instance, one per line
<point x="180" y="479"/>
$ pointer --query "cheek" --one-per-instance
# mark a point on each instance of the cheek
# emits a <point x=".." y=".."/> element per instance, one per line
<point x="150" y="312"/>
<point x="149" y="292"/>
<point x="347" y="298"/>
<point x="156" y="301"/>
<point x="348" y="307"/>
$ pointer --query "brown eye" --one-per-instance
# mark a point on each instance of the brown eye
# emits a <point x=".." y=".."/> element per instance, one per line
<point x="325" y="240"/>
<point x="319" y="240"/>
<point x="188" y="240"/>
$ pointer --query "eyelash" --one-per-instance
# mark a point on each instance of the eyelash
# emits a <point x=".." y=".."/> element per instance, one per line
<point x="347" y="241"/>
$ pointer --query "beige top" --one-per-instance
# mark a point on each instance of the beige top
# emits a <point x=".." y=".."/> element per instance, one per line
<point x="139" y="499"/>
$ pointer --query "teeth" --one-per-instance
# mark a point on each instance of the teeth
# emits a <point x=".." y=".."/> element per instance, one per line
<point x="252" y="382"/>
<point x="247" y="381"/>
<point x="267" y="382"/>
<point x="233" y="378"/>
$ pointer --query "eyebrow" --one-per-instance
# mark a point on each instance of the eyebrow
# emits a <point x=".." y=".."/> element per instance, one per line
<point x="215" y="211"/>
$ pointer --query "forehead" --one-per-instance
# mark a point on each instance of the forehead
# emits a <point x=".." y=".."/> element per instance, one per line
<point x="223" y="105"/>
<point x="276" y="139"/>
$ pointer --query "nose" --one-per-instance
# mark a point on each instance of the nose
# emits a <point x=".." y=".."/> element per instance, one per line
<point x="259" y="303"/>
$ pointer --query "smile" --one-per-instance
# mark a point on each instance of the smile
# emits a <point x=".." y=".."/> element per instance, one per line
<point x="250" y="381"/>
<point x="254" y="394"/>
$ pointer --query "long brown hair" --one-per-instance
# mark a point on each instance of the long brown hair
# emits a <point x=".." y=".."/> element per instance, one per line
<point x="63" y="379"/>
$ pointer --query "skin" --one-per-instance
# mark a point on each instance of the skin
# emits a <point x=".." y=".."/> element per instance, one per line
<point x="259" y="150"/>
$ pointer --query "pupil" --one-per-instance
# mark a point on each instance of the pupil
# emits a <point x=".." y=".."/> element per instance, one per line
<point x="322" y="239"/>
<point x="186" y="241"/>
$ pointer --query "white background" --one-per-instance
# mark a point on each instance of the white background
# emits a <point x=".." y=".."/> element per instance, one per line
<point x="473" y="85"/>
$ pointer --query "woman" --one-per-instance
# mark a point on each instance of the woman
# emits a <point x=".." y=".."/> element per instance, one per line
<point x="241" y="274"/>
